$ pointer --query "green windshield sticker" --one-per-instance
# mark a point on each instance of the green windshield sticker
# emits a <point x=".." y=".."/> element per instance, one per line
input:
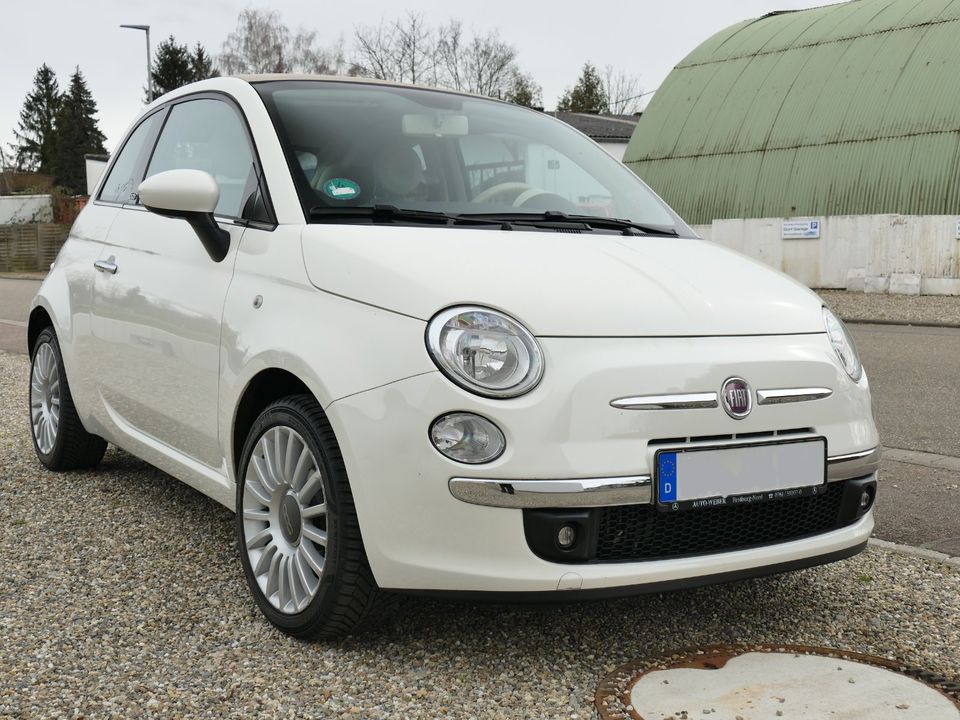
<point x="341" y="189"/>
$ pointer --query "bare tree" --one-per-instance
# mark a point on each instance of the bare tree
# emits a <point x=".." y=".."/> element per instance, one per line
<point x="624" y="92"/>
<point x="481" y="64"/>
<point x="307" y="57"/>
<point x="258" y="45"/>
<point x="403" y="50"/>
<point x="417" y="45"/>
<point x="410" y="50"/>
<point x="262" y="43"/>
<point x="407" y="49"/>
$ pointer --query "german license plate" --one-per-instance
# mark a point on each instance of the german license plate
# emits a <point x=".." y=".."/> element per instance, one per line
<point x="740" y="474"/>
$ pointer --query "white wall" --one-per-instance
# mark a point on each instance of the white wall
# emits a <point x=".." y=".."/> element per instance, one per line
<point x="616" y="149"/>
<point x="95" y="169"/>
<point x="874" y="253"/>
<point x="16" y="209"/>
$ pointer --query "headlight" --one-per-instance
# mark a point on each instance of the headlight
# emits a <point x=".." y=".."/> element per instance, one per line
<point x="485" y="351"/>
<point x="843" y="343"/>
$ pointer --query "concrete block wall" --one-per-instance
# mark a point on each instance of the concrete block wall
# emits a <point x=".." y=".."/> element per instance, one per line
<point x="902" y="254"/>
<point x="16" y="209"/>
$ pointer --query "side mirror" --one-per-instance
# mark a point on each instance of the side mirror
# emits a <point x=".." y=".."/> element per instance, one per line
<point x="191" y="195"/>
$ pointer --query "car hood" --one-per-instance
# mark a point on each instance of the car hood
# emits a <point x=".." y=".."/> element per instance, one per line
<point x="562" y="284"/>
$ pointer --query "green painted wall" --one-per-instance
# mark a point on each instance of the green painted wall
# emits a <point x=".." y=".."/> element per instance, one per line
<point x="848" y="109"/>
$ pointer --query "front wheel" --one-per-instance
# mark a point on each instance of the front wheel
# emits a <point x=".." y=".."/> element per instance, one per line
<point x="59" y="438"/>
<point x="297" y="527"/>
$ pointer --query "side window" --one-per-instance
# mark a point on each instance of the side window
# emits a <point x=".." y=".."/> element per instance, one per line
<point x="121" y="184"/>
<point x="208" y="135"/>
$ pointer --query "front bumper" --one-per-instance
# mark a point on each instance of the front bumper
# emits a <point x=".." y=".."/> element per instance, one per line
<point x="610" y="492"/>
<point x="420" y="537"/>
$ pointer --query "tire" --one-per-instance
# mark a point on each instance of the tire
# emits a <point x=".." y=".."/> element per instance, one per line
<point x="59" y="438"/>
<point x="345" y="598"/>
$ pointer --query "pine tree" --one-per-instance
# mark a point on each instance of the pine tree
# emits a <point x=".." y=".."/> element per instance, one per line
<point x="523" y="90"/>
<point x="33" y="149"/>
<point x="172" y="67"/>
<point x="201" y="64"/>
<point x="76" y="135"/>
<point x="587" y="96"/>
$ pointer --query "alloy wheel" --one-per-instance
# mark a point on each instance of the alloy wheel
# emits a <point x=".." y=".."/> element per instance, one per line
<point x="45" y="398"/>
<point x="285" y="519"/>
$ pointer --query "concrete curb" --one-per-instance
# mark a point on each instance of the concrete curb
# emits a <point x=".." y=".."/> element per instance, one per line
<point x="34" y="277"/>
<point x="917" y="552"/>
<point x="901" y="323"/>
<point x="923" y="459"/>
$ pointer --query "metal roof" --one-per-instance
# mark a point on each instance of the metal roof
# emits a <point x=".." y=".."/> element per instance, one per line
<point x="840" y="110"/>
<point x="602" y="128"/>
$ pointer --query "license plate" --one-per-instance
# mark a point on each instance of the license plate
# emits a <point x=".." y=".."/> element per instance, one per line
<point x="741" y="474"/>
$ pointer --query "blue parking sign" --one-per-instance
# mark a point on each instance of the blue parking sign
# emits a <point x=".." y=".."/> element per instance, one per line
<point x="667" y="477"/>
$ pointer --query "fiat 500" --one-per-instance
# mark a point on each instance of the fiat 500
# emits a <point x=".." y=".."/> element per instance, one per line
<point x="427" y="342"/>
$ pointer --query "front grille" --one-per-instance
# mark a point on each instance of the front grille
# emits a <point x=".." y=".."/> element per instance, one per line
<point x="641" y="532"/>
<point x="772" y="435"/>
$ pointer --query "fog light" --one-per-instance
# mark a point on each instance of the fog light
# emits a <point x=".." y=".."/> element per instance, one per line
<point x="866" y="499"/>
<point x="467" y="438"/>
<point x="566" y="537"/>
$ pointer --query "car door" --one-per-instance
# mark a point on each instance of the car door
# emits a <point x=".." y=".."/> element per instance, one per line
<point x="77" y="259"/>
<point x="159" y="297"/>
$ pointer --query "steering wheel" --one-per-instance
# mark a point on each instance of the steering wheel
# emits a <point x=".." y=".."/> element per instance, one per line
<point x="531" y="193"/>
<point x="502" y="189"/>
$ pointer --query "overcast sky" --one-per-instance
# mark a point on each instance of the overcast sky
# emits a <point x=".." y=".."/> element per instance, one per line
<point x="553" y="39"/>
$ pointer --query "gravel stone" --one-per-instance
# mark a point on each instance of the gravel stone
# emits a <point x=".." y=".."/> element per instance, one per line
<point x="906" y="309"/>
<point x="122" y="597"/>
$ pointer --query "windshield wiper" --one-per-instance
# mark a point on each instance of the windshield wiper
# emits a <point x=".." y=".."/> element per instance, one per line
<point x="506" y="221"/>
<point x="553" y="218"/>
<point x="392" y="213"/>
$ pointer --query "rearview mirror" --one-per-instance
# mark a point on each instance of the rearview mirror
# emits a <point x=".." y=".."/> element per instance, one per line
<point x="438" y="125"/>
<point x="191" y="195"/>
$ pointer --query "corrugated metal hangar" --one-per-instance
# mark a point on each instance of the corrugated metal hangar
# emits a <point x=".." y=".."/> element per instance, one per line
<point x="840" y="110"/>
<point x="849" y="109"/>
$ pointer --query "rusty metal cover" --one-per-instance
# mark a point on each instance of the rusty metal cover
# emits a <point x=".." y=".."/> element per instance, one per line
<point x="617" y="698"/>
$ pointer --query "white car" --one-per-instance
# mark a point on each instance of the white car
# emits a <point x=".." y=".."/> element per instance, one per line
<point x="426" y="342"/>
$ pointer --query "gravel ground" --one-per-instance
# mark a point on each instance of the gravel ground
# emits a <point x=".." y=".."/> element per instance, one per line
<point x="123" y="597"/>
<point x="917" y="310"/>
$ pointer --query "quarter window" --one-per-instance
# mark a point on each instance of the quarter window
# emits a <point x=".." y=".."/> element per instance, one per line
<point x="208" y="135"/>
<point x="124" y="178"/>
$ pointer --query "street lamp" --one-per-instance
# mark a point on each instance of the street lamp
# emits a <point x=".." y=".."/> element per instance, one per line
<point x="146" y="29"/>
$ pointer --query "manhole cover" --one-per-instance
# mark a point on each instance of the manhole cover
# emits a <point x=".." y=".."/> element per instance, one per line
<point x="762" y="681"/>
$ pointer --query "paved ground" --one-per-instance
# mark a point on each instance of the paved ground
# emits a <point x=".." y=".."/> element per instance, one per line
<point x="917" y="310"/>
<point x="914" y="373"/>
<point x="15" y="297"/>
<point x="919" y="506"/>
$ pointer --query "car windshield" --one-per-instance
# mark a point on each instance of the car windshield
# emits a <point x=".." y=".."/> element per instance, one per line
<point x="355" y="146"/>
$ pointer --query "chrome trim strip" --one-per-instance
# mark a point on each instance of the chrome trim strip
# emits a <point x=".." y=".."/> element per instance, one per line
<point x="533" y="494"/>
<point x="791" y="395"/>
<point x="853" y="465"/>
<point x="609" y="492"/>
<point x="686" y="401"/>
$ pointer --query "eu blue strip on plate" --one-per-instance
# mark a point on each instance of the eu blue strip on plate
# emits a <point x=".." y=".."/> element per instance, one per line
<point x="667" y="477"/>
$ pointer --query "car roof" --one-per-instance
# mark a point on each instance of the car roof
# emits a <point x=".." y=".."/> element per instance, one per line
<point x="281" y="77"/>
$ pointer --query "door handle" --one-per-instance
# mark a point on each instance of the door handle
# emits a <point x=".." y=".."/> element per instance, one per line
<point x="105" y="266"/>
